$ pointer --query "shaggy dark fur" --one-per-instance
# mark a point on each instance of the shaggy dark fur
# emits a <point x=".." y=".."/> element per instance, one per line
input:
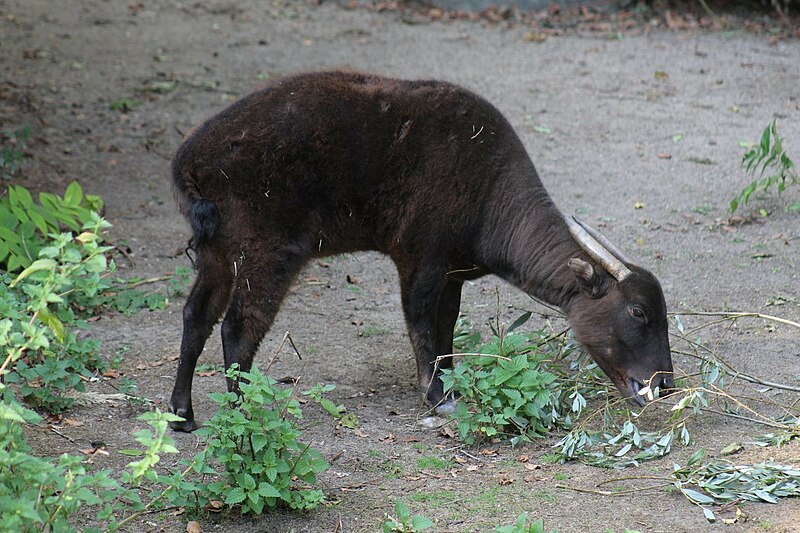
<point x="424" y="171"/>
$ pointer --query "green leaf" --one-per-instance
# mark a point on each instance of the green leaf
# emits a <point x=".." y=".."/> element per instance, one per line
<point x="519" y="321"/>
<point x="421" y="523"/>
<point x="268" y="491"/>
<point x="709" y="515"/>
<point x="696" y="457"/>
<point x="697" y="497"/>
<point x="53" y="323"/>
<point x="36" y="266"/>
<point x="236" y="495"/>
<point x="73" y="195"/>
<point x="132" y="452"/>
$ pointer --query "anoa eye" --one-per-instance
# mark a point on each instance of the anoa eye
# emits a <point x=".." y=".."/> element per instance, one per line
<point x="638" y="313"/>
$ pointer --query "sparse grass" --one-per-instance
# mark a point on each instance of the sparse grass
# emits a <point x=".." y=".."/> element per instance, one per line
<point x="435" y="499"/>
<point x="550" y="458"/>
<point x="431" y="462"/>
<point x="374" y="331"/>
<point x="545" y="496"/>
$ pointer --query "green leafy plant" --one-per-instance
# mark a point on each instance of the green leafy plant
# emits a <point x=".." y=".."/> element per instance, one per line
<point x="252" y="452"/>
<point x="403" y="522"/>
<point x="767" y="154"/>
<point x="522" y="525"/>
<point x="12" y="153"/>
<point x="509" y="386"/>
<point x="44" y="355"/>
<point x="45" y="305"/>
<point x="26" y="225"/>
<point x="43" y="495"/>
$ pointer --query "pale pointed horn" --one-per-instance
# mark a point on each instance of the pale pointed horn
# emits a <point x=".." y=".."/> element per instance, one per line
<point x="596" y="250"/>
<point x="599" y="237"/>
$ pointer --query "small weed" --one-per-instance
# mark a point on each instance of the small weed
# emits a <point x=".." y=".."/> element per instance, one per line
<point x="767" y="154"/>
<point x="208" y="367"/>
<point x="521" y="525"/>
<point x="403" y="522"/>
<point x="560" y="477"/>
<point x="124" y="105"/>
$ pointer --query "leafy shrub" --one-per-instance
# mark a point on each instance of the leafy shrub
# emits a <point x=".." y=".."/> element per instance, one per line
<point x="43" y="355"/>
<point x="26" y="226"/>
<point x="251" y="444"/>
<point x="44" y="306"/>
<point x="511" y="389"/>
<point x="42" y="495"/>
<point x="767" y="154"/>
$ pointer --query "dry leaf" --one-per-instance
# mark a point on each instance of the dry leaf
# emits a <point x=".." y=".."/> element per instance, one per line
<point x="664" y="155"/>
<point x="505" y="481"/>
<point x="111" y="373"/>
<point x="534" y="37"/>
<point x="447" y="431"/>
<point x="531" y="466"/>
<point x="193" y="527"/>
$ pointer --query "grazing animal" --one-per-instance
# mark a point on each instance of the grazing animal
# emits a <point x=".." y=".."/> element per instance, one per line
<point x="425" y="172"/>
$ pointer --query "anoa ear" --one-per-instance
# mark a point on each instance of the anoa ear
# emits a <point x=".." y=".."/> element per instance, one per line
<point x="596" y="285"/>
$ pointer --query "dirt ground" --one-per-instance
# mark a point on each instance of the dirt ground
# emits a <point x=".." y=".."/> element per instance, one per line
<point x="637" y="133"/>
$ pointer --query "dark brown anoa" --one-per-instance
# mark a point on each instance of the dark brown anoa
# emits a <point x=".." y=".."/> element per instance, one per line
<point x="424" y="171"/>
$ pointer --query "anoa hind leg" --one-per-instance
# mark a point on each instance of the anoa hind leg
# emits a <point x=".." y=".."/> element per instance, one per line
<point x="261" y="286"/>
<point x="207" y="301"/>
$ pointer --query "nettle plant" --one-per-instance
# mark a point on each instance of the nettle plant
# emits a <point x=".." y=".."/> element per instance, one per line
<point x="513" y="385"/>
<point x="253" y="458"/>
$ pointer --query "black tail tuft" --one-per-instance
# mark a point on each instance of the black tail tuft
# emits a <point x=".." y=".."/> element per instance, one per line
<point x="204" y="218"/>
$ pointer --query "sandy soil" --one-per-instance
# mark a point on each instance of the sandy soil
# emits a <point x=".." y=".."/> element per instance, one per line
<point x="612" y="107"/>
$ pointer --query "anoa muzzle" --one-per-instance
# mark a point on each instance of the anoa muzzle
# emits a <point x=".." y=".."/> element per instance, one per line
<point x="426" y="172"/>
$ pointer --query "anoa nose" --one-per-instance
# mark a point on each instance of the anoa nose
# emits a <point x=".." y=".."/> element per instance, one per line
<point x="666" y="382"/>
